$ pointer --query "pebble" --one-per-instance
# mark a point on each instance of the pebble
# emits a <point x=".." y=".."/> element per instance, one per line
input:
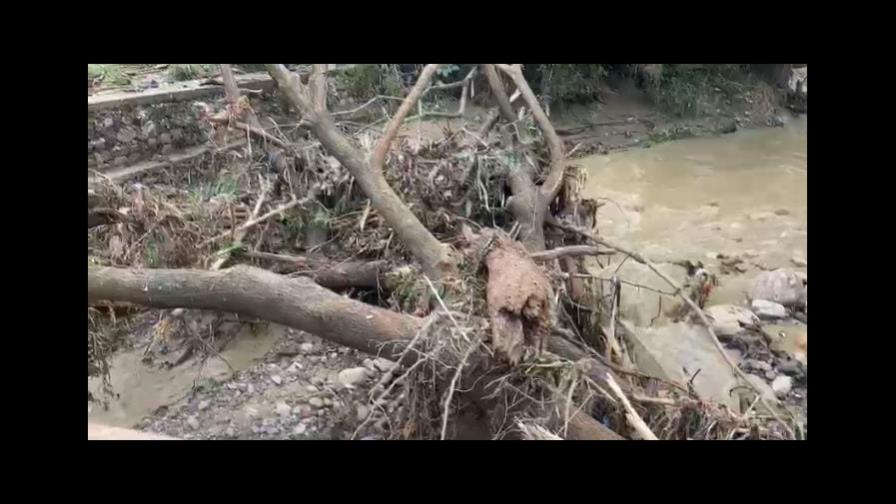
<point x="251" y="412"/>
<point x="230" y="432"/>
<point x="203" y="405"/>
<point x="768" y="309"/>
<point x="306" y="348"/>
<point x="317" y="402"/>
<point x="328" y="401"/>
<point x="770" y="375"/>
<point x="298" y="411"/>
<point x="193" y="422"/>
<point x="353" y="376"/>
<point x="312" y="389"/>
<point x="782" y="386"/>
<point x="799" y="261"/>
<point x="362" y="411"/>
<point x="294" y="368"/>
<point x="334" y="355"/>
<point x="276" y="379"/>
<point x="299" y="429"/>
<point x="250" y="389"/>
<point x="283" y="409"/>
<point x="781" y="286"/>
<point x="368" y="363"/>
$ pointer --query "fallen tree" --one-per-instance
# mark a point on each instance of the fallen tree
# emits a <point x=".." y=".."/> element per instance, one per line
<point x="295" y="302"/>
<point x="487" y="316"/>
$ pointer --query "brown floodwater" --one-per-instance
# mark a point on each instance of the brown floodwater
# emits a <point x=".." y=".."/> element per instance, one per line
<point x="742" y="194"/>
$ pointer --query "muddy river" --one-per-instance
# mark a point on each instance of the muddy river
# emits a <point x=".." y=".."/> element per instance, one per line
<point x="742" y="194"/>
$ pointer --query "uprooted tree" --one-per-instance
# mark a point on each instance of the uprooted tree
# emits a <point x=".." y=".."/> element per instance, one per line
<point x="490" y="325"/>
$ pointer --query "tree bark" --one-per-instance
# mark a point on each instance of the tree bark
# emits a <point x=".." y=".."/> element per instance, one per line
<point x="295" y="302"/>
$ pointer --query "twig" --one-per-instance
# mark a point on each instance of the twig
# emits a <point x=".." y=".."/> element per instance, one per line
<point x="631" y="415"/>
<point x="240" y="233"/>
<point x="451" y="386"/>
<point x="568" y="251"/>
<point x="254" y="222"/>
<point x="249" y="129"/>
<point x="678" y="291"/>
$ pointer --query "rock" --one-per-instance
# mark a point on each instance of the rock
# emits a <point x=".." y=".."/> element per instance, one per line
<point x="383" y="365"/>
<point x="299" y="411"/>
<point x="781" y="286"/>
<point x="251" y="412"/>
<point x="203" y="405"/>
<point x="782" y="386"/>
<point x="283" y="409"/>
<point x="125" y="135"/>
<point x="294" y="368"/>
<point x="791" y="367"/>
<point x="276" y="379"/>
<point x="250" y="389"/>
<point x="770" y="375"/>
<point x="799" y="260"/>
<point x="640" y="305"/>
<point x="230" y="432"/>
<point x="728" y="319"/>
<point x="368" y="363"/>
<point x="299" y="429"/>
<point x="782" y="211"/>
<point x="312" y="389"/>
<point x="306" y="348"/>
<point x="362" y="412"/>
<point x="677" y="351"/>
<point x="193" y="422"/>
<point x="757" y="365"/>
<point x="768" y="309"/>
<point x="317" y="402"/>
<point x="328" y="401"/>
<point x="353" y="376"/>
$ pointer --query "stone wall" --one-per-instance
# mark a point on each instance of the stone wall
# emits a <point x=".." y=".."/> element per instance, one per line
<point x="127" y="128"/>
<point x="129" y="134"/>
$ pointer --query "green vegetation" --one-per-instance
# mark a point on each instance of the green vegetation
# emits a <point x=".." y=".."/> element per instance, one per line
<point x="365" y="81"/>
<point x="191" y="71"/>
<point x="115" y="75"/>
<point x="688" y="92"/>
<point x="571" y="83"/>
<point x="222" y="187"/>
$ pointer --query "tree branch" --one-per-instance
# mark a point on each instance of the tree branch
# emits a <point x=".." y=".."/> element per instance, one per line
<point x="378" y="158"/>
<point x="554" y="180"/>
<point x="434" y="256"/>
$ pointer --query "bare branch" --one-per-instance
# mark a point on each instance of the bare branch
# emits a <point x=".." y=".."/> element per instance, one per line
<point x="318" y="84"/>
<point x="434" y="256"/>
<point x="554" y="180"/>
<point x="494" y="80"/>
<point x="569" y="251"/>
<point x="378" y="158"/>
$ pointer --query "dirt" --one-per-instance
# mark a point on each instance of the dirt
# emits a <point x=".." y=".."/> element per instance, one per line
<point x="269" y="383"/>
